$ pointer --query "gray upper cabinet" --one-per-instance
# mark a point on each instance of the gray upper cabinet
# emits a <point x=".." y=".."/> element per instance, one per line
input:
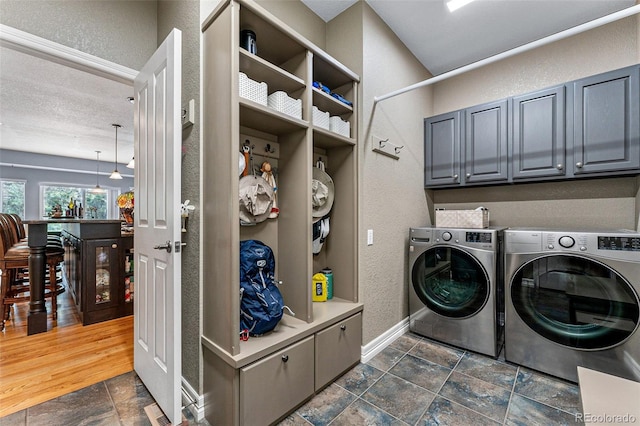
<point x="583" y="128"/>
<point x="485" y="143"/>
<point x="606" y="122"/>
<point x="442" y="149"/>
<point x="538" y="141"/>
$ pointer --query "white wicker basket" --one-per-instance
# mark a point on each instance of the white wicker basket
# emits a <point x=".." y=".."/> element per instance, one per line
<point x="280" y="101"/>
<point x="320" y="118"/>
<point x="338" y="125"/>
<point x="252" y="90"/>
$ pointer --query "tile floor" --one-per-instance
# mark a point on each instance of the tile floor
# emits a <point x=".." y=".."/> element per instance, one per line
<point x="414" y="381"/>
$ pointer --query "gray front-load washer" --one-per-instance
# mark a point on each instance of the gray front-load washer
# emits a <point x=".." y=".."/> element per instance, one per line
<point x="456" y="288"/>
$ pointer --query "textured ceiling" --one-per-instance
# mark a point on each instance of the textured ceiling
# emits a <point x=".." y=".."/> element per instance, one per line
<point x="53" y="109"/>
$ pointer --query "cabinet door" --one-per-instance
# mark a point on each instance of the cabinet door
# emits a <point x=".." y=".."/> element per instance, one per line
<point x="607" y="122"/>
<point x="486" y="143"/>
<point x="101" y="282"/>
<point x="275" y="385"/>
<point x="538" y="144"/>
<point x="337" y="349"/>
<point x="442" y="150"/>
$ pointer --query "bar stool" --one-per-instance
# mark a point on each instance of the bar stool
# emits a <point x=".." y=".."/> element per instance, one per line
<point x="14" y="258"/>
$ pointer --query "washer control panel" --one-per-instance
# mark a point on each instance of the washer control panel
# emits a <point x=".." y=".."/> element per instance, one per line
<point x="467" y="238"/>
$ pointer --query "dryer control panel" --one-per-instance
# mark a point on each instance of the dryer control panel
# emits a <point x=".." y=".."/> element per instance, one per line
<point x="620" y="245"/>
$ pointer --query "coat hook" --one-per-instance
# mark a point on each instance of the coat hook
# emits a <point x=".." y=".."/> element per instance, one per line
<point x="382" y="142"/>
<point x="398" y="148"/>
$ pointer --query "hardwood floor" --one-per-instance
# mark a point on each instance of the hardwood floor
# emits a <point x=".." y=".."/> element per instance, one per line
<point x="68" y="357"/>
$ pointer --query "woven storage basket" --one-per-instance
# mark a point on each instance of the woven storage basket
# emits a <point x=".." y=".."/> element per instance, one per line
<point x="462" y="218"/>
<point x="320" y="118"/>
<point x="252" y="90"/>
<point x="338" y="125"/>
<point x="282" y="102"/>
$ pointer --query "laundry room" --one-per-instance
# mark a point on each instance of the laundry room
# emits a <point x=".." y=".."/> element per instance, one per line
<point x="403" y="331"/>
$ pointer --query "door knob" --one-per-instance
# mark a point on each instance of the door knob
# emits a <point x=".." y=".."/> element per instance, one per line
<point x="166" y="246"/>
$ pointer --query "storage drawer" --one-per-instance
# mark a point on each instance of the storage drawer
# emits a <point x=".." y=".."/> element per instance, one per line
<point x="273" y="386"/>
<point x="337" y="349"/>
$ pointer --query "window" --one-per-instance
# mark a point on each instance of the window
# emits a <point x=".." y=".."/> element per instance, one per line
<point x="95" y="205"/>
<point x="12" y="197"/>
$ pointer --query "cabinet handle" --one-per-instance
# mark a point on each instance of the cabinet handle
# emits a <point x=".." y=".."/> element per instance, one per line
<point x="114" y="246"/>
<point x="559" y="167"/>
<point x="468" y="175"/>
<point x="343" y="327"/>
<point x="455" y="177"/>
<point x="285" y="358"/>
<point x="579" y="164"/>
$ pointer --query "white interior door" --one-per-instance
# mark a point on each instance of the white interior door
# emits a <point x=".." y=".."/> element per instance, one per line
<point x="158" y="141"/>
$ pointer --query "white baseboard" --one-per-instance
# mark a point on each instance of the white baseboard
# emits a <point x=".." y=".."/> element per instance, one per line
<point x="193" y="401"/>
<point x="376" y="346"/>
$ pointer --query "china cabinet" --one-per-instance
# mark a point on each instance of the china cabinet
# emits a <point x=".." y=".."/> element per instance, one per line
<point x="95" y="270"/>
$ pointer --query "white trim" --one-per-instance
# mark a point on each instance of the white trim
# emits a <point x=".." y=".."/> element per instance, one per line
<point x="376" y="346"/>
<point x="55" y="52"/>
<point x="554" y="37"/>
<point x="193" y="402"/>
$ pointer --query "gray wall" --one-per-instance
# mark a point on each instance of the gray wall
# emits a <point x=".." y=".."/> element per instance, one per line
<point x="184" y="15"/>
<point x="391" y="196"/>
<point x="123" y="32"/>
<point x="13" y="167"/>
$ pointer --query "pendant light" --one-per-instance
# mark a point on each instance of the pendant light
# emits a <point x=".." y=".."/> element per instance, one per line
<point x="132" y="163"/>
<point x="97" y="189"/>
<point x="116" y="174"/>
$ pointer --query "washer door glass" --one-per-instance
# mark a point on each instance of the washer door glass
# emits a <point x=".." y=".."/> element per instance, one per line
<point x="574" y="301"/>
<point x="450" y="282"/>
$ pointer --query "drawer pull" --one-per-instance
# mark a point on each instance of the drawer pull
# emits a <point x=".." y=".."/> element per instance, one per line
<point x="285" y="358"/>
<point x="343" y="327"/>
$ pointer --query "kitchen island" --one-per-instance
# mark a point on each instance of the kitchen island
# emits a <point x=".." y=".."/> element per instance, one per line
<point x="95" y="253"/>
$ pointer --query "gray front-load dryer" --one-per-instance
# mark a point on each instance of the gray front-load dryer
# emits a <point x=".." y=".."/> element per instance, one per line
<point x="455" y="287"/>
<point x="572" y="300"/>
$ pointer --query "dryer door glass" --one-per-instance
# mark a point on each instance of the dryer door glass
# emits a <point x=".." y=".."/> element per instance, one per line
<point x="575" y="301"/>
<point x="450" y="282"/>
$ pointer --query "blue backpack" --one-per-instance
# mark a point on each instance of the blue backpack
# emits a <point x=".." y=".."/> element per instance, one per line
<point x="261" y="303"/>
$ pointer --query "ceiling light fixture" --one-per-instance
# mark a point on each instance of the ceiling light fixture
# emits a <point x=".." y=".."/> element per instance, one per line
<point x="116" y="174"/>
<point x="457" y="4"/>
<point x="132" y="163"/>
<point x="97" y="189"/>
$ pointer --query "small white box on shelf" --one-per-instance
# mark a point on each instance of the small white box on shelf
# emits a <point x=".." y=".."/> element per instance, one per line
<point x="338" y="125"/>
<point x="282" y="102"/>
<point x="320" y="118"/>
<point x="253" y="90"/>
